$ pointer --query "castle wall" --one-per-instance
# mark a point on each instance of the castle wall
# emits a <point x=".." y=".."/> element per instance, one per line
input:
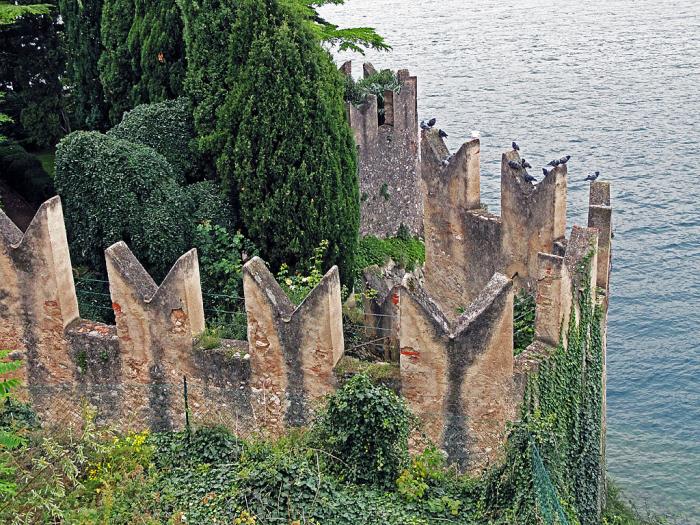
<point x="388" y="159"/>
<point x="457" y="376"/>
<point x="37" y="297"/>
<point x="466" y="245"/>
<point x="133" y="372"/>
<point x="293" y="349"/>
<point x="455" y="340"/>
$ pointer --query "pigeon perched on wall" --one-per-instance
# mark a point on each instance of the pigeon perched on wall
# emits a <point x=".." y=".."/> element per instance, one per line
<point x="423" y="125"/>
<point x="515" y="146"/>
<point x="432" y="122"/>
<point x="524" y="163"/>
<point x="514" y="165"/>
<point x="593" y="177"/>
<point x="442" y="134"/>
<point x="529" y="178"/>
<point x="554" y="162"/>
<point x="564" y="159"/>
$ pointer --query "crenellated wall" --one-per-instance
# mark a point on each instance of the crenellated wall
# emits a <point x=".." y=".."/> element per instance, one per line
<point x="455" y="338"/>
<point x="465" y="244"/>
<point x="388" y="158"/>
<point x="133" y="372"/>
<point x="457" y="375"/>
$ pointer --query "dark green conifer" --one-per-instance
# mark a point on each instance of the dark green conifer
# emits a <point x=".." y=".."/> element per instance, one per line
<point x="288" y="160"/>
<point x="116" y="69"/>
<point x="82" y="37"/>
<point x="157" y="51"/>
<point x="207" y="30"/>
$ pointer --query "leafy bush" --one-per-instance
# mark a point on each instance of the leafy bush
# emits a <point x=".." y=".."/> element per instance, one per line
<point x="221" y="259"/>
<point x="206" y="445"/>
<point x="375" y="84"/>
<point x="366" y="427"/>
<point x="168" y="128"/>
<point x="209" y="204"/>
<point x="407" y="252"/>
<point x="298" y="286"/>
<point x="116" y="190"/>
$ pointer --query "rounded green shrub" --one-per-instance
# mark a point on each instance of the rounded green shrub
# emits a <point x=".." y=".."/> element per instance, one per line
<point x="168" y="128"/>
<point x="209" y="204"/>
<point x="116" y="190"/>
<point x="366" y="427"/>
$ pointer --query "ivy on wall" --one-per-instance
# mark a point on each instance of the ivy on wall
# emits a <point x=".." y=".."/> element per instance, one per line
<point x="560" y="430"/>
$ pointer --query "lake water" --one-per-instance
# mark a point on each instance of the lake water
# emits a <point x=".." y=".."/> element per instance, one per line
<point x="615" y="84"/>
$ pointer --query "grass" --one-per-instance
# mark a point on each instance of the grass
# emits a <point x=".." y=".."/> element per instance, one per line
<point x="48" y="160"/>
<point x="377" y="371"/>
<point x="210" y="338"/>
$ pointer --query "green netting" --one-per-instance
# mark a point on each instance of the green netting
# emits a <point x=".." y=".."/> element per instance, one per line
<point x="547" y="497"/>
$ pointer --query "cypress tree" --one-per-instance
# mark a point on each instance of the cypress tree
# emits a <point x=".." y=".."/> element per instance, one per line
<point x="206" y="31"/>
<point x="116" y="69"/>
<point x="288" y="160"/>
<point x="82" y="37"/>
<point x="157" y="50"/>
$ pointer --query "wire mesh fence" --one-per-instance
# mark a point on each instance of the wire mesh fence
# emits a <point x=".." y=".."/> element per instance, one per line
<point x="368" y="335"/>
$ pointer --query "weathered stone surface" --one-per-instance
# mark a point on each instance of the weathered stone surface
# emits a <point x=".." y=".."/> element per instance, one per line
<point x="462" y="240"/>
<point x="292" y="349"/>
<point x="534" y="218"/>
<point x="155" y="327"/>
<point x="388" y="158"/>
<point x="37" y="298"/>
<point x="458" y="376"/>
<point x="380" y="305"/>
<point x="466" y="245"/>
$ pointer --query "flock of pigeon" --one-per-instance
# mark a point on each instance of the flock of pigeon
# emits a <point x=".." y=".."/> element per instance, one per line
<point x="522" y="165"/>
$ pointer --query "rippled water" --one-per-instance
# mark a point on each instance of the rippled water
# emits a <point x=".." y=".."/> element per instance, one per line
<point x="616" y="84"/>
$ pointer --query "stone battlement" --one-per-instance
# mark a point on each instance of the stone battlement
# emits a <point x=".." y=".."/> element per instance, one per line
<point x="388" y="157"/>
<point x="460" y="233"/>
<point x="454" y="332"/>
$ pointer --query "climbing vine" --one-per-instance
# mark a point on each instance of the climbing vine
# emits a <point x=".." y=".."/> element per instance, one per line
<point x="553" y="472"/>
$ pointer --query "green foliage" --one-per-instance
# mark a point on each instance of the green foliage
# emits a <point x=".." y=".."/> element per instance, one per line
<point x="207" y="445"/>
<point x="355" y="39"/>
<point x="209" y="204"/>
<point x="523" y="321"/>
<point x="167" y="127"/>
<point x="408" y="253"/>
<point x="221" y="259"/>
<point x="206" y="82"/>
<point x="24" y="173"/>
<point x="9" y="13"/>
<point x="367" y="426"/>
<point x="116" y="69"/>
<point x="298" y="286"/>
<point x="157" y="51"/>
<point x="9" y="438"/>
<point x="553" y="467"/>
<point x="375" y="84"/>
<point x="133" y="197"/>
<point x="31" y="66"/>
<point x="376" y="372"/>
<point x="83" y="43"/>
<point x="288" y="158"/>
